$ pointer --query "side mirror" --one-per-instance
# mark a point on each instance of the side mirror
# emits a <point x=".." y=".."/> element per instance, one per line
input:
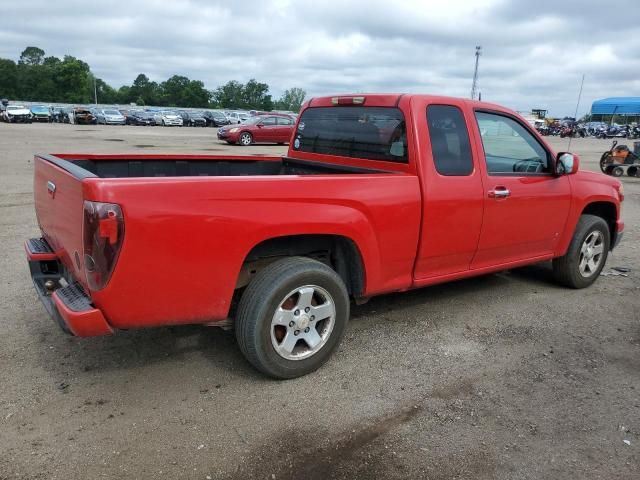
<point x="567" y="163"/>
<point x="259" y="125"/>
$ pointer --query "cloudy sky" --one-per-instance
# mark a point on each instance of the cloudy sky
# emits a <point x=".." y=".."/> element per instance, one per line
<point x="534" y="51"/>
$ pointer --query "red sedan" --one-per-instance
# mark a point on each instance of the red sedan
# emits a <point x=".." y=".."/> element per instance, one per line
<point x="269" y="128"/>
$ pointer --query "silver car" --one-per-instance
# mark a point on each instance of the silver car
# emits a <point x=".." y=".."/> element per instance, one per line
<point x="167" y="118"/>
<point x="237" y="117"/>
<point x="109" y="117"/>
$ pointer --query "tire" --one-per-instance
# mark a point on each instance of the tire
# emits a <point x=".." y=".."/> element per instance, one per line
<point x="632" y="171"/>
<point x="569" y="270"/>
<point x="603" y="162"/>
<point x="245" y="139"/>
<point x="261" y="336"/>
<point x="617" y="171"/>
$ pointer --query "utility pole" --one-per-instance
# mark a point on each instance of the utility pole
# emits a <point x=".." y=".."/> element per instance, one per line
<point x="95" y="91"/>
<point x="474" y="86"/>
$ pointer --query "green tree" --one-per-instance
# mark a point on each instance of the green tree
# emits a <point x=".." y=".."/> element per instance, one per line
<point x="145" y="90"/>
<point x="31" y="56"/>
<point x="8" y="78"/>
<point x="73" y="81"/>
<point x="181" y="92"/>
<point x="291" y="99"/>
<point x="106" y="93"/>
<point x="256" y="96"/>
<point x="124" y="94"/>
<point x="229" y="95"/>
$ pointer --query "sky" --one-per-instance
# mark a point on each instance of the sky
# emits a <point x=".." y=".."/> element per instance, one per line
<point x="534" y="52"/>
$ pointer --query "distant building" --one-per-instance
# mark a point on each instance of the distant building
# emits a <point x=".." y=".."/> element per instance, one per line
<point x="607" y="109"/>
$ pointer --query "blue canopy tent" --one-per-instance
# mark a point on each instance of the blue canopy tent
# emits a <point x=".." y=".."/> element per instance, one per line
<point x="627" y="106"/>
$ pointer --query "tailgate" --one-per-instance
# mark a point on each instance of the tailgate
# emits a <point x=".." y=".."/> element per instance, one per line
<point x="57" y="189"/>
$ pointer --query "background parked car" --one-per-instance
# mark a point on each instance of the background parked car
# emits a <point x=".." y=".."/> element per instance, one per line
<point x="238" y="117"/>
<point x="167" y="118"/>
<point x="59" y="114"/>
<point x="140" y="117"/>
<point x="40" y="113"/>
<point x="109" y="116"/>
<point x="83" y="116"/>
<point x="216" y="118"/>
<point x="17" y="114"/>
<point x="192" y="119"/>
<point x="126" y="114"/>
<point x="272" y="128"/>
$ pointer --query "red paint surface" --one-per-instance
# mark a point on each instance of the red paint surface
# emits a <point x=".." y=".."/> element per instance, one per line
<point x="187" y="237"/>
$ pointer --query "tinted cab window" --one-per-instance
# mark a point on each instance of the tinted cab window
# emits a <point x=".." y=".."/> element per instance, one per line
<point x="449" y="140"/>
<point x="374" y="133"/>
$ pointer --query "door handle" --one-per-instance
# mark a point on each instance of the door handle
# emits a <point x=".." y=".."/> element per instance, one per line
<point x="499" y="192"/>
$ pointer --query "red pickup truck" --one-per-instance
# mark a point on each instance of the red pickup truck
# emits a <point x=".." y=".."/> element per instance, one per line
<point x="377" y="193"/>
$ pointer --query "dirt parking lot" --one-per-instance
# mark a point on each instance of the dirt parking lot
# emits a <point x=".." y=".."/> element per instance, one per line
<point x="504" y="376"/>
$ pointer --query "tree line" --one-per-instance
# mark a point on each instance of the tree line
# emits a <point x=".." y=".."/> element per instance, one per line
<point x="40" y="78"/>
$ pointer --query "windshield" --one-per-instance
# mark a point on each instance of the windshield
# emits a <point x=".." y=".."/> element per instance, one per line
<point x="39" y="108"/>
<point x="15" y="107"/>
<point x="375" y="133"/>
<point x="111" y="112"/>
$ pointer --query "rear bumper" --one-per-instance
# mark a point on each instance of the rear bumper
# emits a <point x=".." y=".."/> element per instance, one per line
<point x="67" y="303"/>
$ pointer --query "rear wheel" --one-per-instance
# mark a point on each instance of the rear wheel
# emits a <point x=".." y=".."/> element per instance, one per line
<point x="291" y="317"/>
<point x="245" y="139"/>
<point x="586" y="255"/>
<point x="632" y="171"/>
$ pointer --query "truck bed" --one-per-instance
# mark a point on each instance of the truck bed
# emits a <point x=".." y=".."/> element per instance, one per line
<point x="195" y="166"/>
<point x="191" y="222"/>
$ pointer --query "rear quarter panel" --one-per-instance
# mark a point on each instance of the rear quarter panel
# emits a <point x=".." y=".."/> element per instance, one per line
<point x="186" y="239"/>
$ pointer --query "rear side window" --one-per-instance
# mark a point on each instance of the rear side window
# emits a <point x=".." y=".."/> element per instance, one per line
<point x="449" y="140"/>
<point x="374" y="133"/>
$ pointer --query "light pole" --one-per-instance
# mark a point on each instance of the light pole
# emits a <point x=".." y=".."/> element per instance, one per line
<point x="474" y="85"/>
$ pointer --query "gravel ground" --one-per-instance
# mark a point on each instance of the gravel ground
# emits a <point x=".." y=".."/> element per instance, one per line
<point x="503" y="376"/>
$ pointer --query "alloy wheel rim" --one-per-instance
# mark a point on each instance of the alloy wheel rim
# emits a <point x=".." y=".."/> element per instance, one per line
<point x="245" y="139"/>
<point x="303" y="322"/>
<point x="591" y="254"/>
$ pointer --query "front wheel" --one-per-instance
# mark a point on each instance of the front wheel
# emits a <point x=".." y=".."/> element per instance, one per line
<point x="292" y="317"/>
<point x="604" y="163"/>
<point x="246" y="139"/>
<point x="586" y="255"/>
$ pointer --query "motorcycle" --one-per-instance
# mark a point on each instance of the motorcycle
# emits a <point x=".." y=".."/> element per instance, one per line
<point x="574" y="132"/>
<point x="614" y="161"/>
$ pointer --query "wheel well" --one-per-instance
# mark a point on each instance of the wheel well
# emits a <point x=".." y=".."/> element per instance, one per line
<point x="606" y="211"/>
<point x="338" y="252"/>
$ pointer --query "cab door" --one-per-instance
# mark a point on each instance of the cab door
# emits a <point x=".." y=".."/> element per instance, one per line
<point x="452" y="191"/>
<point x="285" y="127"/>
<point x="267" y="130"/>
<point x="525" y="204"/>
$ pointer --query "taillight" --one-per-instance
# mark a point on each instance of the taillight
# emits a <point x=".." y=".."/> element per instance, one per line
<point x="103" y="235"/>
